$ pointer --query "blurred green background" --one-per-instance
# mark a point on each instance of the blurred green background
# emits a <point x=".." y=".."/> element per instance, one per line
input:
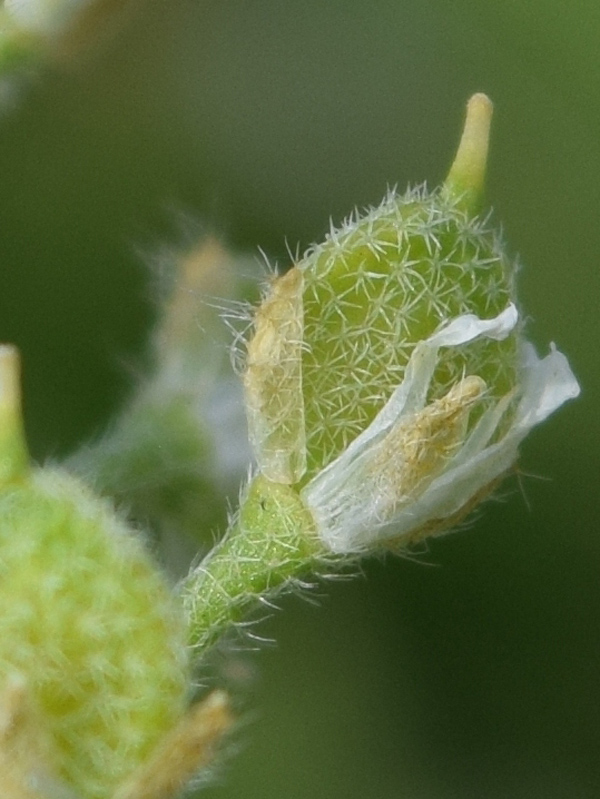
<point x="473" y="670"/>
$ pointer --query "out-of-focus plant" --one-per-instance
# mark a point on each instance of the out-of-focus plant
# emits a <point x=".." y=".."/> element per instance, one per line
<point x="35" y="31"/>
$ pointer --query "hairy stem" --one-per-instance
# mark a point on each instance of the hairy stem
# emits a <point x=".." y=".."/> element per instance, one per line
<point x="270" y="543"/>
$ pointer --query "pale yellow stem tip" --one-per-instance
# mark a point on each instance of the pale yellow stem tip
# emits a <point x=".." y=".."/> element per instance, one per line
<point x="10" y="369"/>
<point x="13" y="448"/>
<point x="467" y="174"/>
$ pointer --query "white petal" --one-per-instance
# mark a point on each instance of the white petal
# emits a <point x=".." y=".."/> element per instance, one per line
<point x="468" y="327"/>
<point x="545" y="384"/>
<point x="410" y="395"/>
<point x="346" y="499"/>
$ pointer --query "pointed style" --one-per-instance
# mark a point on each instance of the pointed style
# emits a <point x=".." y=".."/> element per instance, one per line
<point x="466" y="178"/>
<point x="14" y="456"/>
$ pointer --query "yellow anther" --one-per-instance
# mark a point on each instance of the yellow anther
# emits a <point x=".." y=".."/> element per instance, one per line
<point x="415" y="451"/>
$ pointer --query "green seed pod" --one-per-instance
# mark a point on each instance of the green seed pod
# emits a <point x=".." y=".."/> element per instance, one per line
<point x="87" y="626"/>
<point x="390" y="353"/>
<point x="388" y="386"/>
<point x="376" y="288"/>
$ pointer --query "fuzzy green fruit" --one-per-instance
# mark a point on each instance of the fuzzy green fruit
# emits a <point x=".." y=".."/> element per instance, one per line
<point x="388" y="380"/>
<point x="388" y="386"/>
<point x="88" y="625"/>
<point x="334" y="335"/>
<point x="376" y="288"/>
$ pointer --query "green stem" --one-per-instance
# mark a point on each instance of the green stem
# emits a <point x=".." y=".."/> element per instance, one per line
<point x="156" y="461"/>
<point x="270" y="543"/>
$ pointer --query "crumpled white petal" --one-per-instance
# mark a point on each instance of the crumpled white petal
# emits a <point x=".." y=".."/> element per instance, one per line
<point x="350" y="510"/>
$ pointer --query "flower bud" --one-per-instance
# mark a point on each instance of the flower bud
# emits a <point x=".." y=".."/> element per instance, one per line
<point x="388" y="378"/>
<point x="89" y="633"/>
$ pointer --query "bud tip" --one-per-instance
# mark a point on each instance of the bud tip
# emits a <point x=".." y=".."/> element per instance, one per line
<point x="9" y="375"/>
<point x="466" y="177"/>
<point x="13" y="449"/>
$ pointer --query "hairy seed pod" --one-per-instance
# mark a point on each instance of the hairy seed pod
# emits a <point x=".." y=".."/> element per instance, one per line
<point x="392" y="350"/>
<point x="88" y="629"/>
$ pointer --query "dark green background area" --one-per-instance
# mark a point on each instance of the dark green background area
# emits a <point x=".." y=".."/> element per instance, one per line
<point x="474" y="670"/>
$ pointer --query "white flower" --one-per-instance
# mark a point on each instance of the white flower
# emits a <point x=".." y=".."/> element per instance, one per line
<point x="416" y="470"/>
<point x="46" y="17"/>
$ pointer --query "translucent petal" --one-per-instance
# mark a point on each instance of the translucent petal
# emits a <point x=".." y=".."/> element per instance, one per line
<point x="352" y="503"/>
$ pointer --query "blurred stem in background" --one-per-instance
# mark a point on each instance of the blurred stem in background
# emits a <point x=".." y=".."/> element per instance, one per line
<point x="180" y="446"/>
